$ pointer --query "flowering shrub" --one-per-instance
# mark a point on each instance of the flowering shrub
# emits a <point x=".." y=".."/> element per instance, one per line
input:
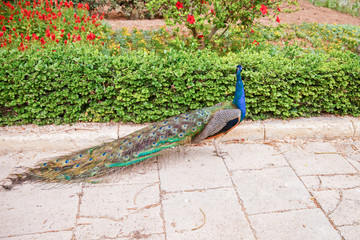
<point x="207" y="19"/>
<point x="45" y="23"/>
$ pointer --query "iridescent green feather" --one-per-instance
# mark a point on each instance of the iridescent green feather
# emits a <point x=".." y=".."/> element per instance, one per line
<point x="133" y="148"/>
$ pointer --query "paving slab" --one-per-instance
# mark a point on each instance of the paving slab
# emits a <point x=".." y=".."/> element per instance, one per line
<point x="260" y="190"/>
<point x="315" y="158"/>
<point x="342" y="206"/>
<point x="35" y="209"/>
<point x="211" y="214"/>
<point x="350" y="232"/>
<point x="61" y="235"/>
<point x="350" y="150"/>
<point x="192" y="168"/>
<point x="272" y="189"/>
<point x="252" y="156"/>
<point x="309" y="224"/>
<point x="331" y="182"/>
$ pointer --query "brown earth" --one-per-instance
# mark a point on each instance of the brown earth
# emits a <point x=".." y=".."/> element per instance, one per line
<point x="306" y="13"/>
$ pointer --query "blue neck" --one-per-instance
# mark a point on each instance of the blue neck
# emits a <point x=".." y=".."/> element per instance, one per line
<point x="239" y="99"/>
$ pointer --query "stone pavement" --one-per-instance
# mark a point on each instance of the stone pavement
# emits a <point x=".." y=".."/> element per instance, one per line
<point x="263" y="189"/>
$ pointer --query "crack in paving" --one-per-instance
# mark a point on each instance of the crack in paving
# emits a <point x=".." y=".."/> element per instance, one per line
<point x="81" y="194"/>
<point x="161" y="198"/>
<point x="311" y="194"/>
<point x="340" y="200"/>
<point x="34" y="233"/>
<point x="240" y="201"/>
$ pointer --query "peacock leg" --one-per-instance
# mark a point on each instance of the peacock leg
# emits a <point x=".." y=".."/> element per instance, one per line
<point x="218" y="151"/>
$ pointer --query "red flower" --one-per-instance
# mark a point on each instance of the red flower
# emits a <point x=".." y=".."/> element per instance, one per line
<point x="80" y="5"/>
<point x="14" y="29"/>
<point x="53" y="37"/>
<point x="11" y="18"/>
<point x="191" y="19"/>
<point x="87" y="6"/>
<point x="3" y="28"/>
<point x="255" y="42"/>
<point x="76" y="28"/>
<point x="42" y="41"/>
<point x="252" y="30"/>
<point x="1" y="34"/>
<point x="278" y="19"/>
<point x="90" y="36"/>
<point x="27" y="37"/>
<point x="34" y="36"/>
<point x="200" y="36"/>
<point x="82" y="28"/>
<point x="65" y="42"/>
<point x="57" y="40"/>
<point x="263" y="9"/>
<point x="279" y="9"/>
<point x="78" y="38"/>
<point x="179" y="5"/>
<point x="213" y="12"/>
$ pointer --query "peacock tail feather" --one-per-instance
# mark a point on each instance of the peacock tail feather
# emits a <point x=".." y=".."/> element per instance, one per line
<point x="133" y="148"/>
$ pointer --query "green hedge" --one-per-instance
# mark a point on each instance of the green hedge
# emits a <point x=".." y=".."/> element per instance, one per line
<point x="80" y="84"/>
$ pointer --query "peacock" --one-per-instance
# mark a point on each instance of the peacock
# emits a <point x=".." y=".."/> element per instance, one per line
<point x="193" y="127"/>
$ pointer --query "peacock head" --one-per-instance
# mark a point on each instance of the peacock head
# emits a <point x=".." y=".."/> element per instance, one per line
<point x="238" y="69"/>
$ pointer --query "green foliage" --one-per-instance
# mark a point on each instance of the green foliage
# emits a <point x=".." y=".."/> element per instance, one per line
<point x="82" y="84"/>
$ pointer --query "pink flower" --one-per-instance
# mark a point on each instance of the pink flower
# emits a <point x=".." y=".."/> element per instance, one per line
<point x="191" y="19"/>
<point x="263" y="9"/>
<point x="179" y="5"/>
